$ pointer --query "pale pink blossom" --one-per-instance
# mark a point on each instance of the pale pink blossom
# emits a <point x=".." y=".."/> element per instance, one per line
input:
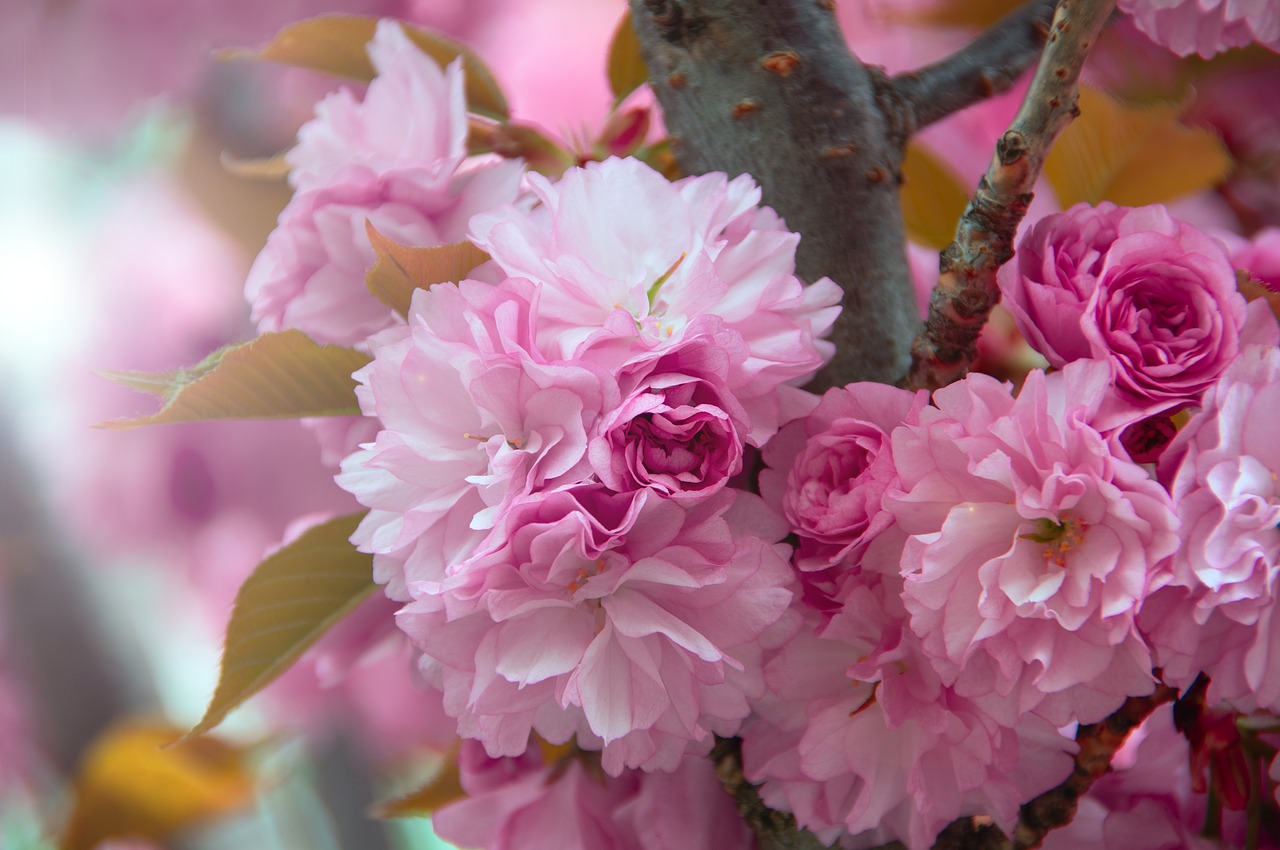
<point x="1031" y="546"/>
<point x="311" y="274"/>
<point x="861" y="740"/>
<point x="564" y="803"/>
<point x="1132" y="285"/>
<point x="1206" y="27"/>
<point x="475" y="419"/>
<point x="394" y="160"/>
<point x="1219" y="613"/>
<point x="641" y="636"/>
<point x="1259" y="256"/>
<point x="523" y="803"/>
<point x="617" y="237"/>
<point x="828" y="472"/>
<point x="412" y="118"/>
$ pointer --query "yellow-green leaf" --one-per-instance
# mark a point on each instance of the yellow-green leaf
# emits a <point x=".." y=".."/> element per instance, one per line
<point x="401" y="269"/>
<point x="627" y="70"/>
<point x="1132" y="155"/>
<point x="290" y="601"/>
<point x="441" y="789"/>
<point x="267" y="168"/>
<point x="276" y="376"/>
<point x="933" y="198"/>
<point x="335" y="44"/>
<point x="130" y="785"/>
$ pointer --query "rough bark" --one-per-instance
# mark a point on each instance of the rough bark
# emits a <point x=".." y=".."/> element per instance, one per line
<point x="769" y="88"/>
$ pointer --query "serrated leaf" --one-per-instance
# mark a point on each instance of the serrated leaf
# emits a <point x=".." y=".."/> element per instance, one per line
<point x="1132" y="155"/>
<point x="335" y="44"/>
<point x="290" y="601"/>
<point x="130" y="785"/>
<point x="401" y="269"/>
<point x="266" y="168"/>
<point x="933" y="198"/>
<point x="443" y="788"/>
<point x="626" y="66"/>
<point x="276" y="376"/>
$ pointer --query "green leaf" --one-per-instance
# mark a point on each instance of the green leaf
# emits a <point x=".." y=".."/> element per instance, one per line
<point x="933" y="198"/>
<point x="290" y="601"/>
<point x="276" y="376"/>
<point x="441" y="789"/>
<point x="335" y="44"/>
<point x="1132" y="155"/>
<point x="274" y="168"/>
<point x="627" y="70"/>
<point x="401" y="269"/>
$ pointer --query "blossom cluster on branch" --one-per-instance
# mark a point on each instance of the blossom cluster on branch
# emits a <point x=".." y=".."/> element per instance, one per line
<point x="614" y="526"/>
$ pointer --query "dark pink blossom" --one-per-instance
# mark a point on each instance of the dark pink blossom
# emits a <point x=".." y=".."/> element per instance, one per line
<point x="828" y="472"/>
<point x="1153" y="295"/>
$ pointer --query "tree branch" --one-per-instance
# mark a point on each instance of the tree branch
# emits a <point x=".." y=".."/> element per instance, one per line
<point x="774" y="830"/>
<point x="769" y="88"/>
<point x="966" y="289"/>
<point x="1098" y="745"/>
<point x="989" y="64"/>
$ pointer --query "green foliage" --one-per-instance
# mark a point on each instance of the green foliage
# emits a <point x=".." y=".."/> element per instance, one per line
<point x="290" y="601"/>
<point x="401" y="269"/>
<point x="276" y="376"/>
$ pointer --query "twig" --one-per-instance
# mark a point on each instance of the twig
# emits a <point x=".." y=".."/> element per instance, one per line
<point x="989" y="64"/>
<point x="966" y="289"/>
<point x="774" y="830"/>
<point x="1098" y="744"/>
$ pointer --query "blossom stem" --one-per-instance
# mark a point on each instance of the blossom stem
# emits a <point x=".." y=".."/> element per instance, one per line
<point x="966" y="290"/>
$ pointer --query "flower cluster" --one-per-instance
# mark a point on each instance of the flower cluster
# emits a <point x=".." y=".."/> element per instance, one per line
<point x="548" y="491"/>
<point x="614" y="526"/>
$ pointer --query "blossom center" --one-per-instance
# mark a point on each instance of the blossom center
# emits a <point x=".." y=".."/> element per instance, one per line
<point x="1058" y="538"/>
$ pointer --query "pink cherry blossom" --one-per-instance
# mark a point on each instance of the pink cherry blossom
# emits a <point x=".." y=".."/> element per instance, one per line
<point x="475" y="418"/>
<point x="1153" y="295"/>
<point x="1031" y="546"/>
<point x="617" y="236"/>
<point x="678" y="429"/>
<point x="564" y="803"/>
<point x="1218" y="614"/>
<point x="1206" y="27"/>
<point x="861" y="740"/>
<point x="1259" y="256"/>
<point x="395" y="160"/>
<point x="519" y="803"/>
<point x="640" y="637"/>
<point x="828" y="472"/>
<point x="412" y="118"/>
